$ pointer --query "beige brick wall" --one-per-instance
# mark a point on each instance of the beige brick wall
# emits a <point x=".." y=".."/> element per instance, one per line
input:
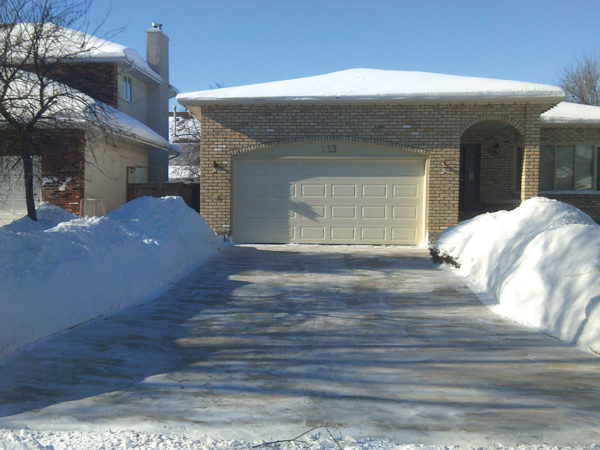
<point x="498" y="165"/>
<point x="435" y="129"/>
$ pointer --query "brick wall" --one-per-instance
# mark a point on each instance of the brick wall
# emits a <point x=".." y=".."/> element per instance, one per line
<point x="63" y="169"/>
<point x="228" y="129"/>
<point x="98" y="80"/>
<point x="498" y="163"/>
<point x="555" y="135"/>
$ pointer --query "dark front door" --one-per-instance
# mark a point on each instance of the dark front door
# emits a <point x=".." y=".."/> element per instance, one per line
<point x="470" y="157"/>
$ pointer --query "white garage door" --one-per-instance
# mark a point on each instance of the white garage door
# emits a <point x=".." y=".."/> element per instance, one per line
<point x="329" y="200"/>
<point x="12" y="189"/>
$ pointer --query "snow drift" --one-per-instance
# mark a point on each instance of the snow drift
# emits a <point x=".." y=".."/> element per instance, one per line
<point x="64" y="270"/>
<point x="540" y="263"/>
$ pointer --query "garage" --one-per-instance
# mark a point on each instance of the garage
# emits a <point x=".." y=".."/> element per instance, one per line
<point x="329" y="194"/>
<point x="12" y="188"/>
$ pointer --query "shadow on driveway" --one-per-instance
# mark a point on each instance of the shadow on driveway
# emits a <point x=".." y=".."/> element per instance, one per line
<point x="270" y="339"/>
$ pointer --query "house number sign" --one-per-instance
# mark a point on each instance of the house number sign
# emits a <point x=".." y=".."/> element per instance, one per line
<point x="329" y="148"/>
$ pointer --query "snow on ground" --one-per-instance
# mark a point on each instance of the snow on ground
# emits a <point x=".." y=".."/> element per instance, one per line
<point x="317" y="439"/>
<point x="64" y="270"/>
<point x="540" y="265"/>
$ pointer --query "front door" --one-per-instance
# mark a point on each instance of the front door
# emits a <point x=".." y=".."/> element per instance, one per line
<point x="470" y="158"/>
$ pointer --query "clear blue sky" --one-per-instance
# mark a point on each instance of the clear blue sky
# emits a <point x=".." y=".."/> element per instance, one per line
<point x="235" y="42"/>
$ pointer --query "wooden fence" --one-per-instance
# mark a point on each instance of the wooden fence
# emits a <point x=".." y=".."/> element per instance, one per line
<point x="190" y="192"/>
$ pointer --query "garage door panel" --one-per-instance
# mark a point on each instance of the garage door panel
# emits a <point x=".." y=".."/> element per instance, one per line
<point x="317" y="233"/>
<point x="313" y="190"/>
<point x="347" y="234"/>
<point x="373" y="212"/>
<point x="373" y="234"/>
<point x="343" y="212"/>
<point x="404" y="212"/>
<point x="343" y="201"/>
<point x="400" y="234"/>
<point x="343" y="190"/>
<point x="405" y="190"/>
<point x="374" y="190"/>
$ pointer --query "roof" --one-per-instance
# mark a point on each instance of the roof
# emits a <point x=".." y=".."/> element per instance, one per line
<point x="67" y="41"/>
<point x="132" y="129"/>
<point x="571" y="114"/>
<point x="369" y="85"/>
<point x="72" y="108"/>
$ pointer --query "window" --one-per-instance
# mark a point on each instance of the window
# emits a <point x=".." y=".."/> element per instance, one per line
<point x="569" y="168"/>
<point x="127" y="89"/>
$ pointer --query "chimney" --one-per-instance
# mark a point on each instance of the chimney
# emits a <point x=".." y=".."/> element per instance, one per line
<point x="157" y="57"/>
<point x="157" y="50"/>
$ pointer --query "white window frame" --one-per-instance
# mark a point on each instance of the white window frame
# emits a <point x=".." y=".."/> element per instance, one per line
<point x="127" y="89"/>
<point x="595" y="167"/>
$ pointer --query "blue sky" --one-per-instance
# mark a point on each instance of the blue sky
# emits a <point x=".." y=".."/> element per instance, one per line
<point x="235" y="42"/>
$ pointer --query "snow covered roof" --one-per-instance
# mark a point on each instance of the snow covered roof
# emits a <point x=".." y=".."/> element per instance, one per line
<point x="571" y="114"/>
<point x="66" y="41"/>
<point x="377" y="85"/>
<point x="135" y="130"/>
<point x="72" y="108"/>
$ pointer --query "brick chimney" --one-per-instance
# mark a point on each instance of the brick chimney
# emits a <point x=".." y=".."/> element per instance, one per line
<point x="157" y="56"/>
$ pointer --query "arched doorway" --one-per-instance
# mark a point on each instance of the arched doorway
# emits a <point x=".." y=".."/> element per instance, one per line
<point x="491" y="162"/>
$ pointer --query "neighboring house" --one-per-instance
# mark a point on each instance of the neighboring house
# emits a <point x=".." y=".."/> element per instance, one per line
<point x="85" y="170"/>
<point x="391" y="157"/>
<point x="184" y="131"/>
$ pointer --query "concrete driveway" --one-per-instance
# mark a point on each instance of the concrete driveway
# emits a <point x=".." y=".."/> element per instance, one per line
<point x="267" y="341"/>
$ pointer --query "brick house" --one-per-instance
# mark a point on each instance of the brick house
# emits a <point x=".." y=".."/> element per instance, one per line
<point x="372" y="156"/>
<point x="85" y="170"/>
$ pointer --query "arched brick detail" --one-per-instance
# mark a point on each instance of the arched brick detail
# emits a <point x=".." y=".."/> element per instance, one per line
<point x="353" y="139"/>
<point x="516" y="125"/>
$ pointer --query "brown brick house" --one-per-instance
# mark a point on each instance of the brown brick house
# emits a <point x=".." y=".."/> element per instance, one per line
<point x="80" y="167"/>
<point x="371" y="156"/>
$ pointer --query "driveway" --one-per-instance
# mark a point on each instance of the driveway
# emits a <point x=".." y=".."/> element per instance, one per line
<point x="264" y="342"/>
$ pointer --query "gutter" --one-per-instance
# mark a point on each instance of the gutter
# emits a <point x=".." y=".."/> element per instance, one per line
<point x="172" y="149"/>
<point x="369" y="99"/>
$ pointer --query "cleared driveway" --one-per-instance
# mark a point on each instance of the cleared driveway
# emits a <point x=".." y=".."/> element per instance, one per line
<point x="267" y="341"/>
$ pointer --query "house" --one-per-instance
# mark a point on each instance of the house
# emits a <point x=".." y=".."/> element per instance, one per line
<point x="84" y="172"/>
<point x="391" y="157"/>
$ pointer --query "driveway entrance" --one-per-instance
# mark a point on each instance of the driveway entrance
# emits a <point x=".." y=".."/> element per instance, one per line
<point x="264" y="342"/>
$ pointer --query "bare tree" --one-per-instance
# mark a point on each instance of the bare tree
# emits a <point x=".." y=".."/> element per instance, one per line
<point x="38" y="39"/>
<point x="581" y="82"/>
<point x="184" y="130"/>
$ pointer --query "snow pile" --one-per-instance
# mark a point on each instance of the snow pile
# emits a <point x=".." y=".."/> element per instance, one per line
<point x="64" y="270"/>
<point x="539" y="262"/>
<point x="373" y="84"/>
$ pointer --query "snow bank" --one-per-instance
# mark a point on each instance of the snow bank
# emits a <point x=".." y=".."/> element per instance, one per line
<point x="539" y="262"/>
<point x="64" y="270"/>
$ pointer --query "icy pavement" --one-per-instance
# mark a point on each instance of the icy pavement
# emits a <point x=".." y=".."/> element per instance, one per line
<point x="265" y="342"/>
